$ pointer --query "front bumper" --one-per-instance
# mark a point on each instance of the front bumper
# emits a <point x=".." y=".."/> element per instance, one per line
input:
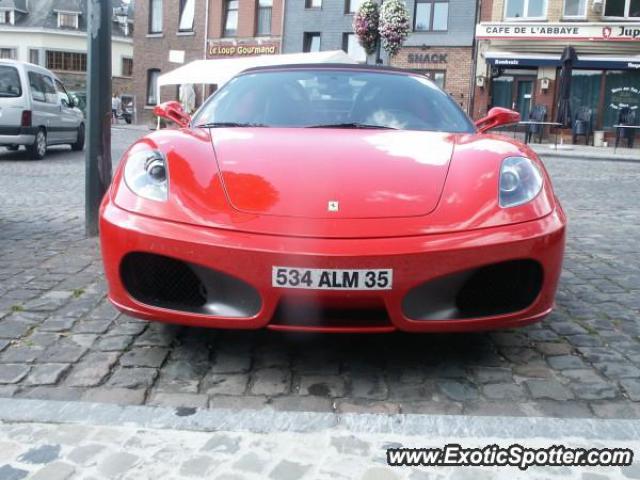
<point x="414" y="260"/>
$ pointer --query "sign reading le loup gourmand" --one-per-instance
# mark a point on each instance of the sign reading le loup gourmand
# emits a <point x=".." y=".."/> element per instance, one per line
<point x="241" y="49"/>
<point x="615" y="32"/>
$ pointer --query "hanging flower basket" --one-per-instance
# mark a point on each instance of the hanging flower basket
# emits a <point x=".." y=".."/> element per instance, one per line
<point x="365" y="25"/>
<point x="394" y="25"/>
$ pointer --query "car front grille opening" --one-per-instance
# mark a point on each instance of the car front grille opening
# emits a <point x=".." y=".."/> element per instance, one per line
<point x="501" y="288"/>
<point x="162" y="281"/>
<point x="497" y="289"/>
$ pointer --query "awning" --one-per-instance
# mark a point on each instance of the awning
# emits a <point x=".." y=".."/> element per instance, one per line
<point x="220" y="71"/>
<point x="515" y="60"/>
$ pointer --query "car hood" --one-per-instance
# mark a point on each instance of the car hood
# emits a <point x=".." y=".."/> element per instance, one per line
<point x="332" y="173"/>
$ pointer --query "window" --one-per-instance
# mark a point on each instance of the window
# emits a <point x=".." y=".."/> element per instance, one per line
<point x="67" y="20"/>
<point x="231" y="18"/>
<point x="187" y="14"/>
<point x="352" y="6"/>
<point x="6" y="16"/>
<point x="575" y="9"/>
<point x="34" y="56"/>
<point x="8" y="53"/>
<point x="311" y="42"/>
<point x="42" y="88"/>
<point x="127" y="67"/>
<point x="431" y="16"/>
<point x="312" y="3"/>
<point x="526" y="9"/>
<point x="264" y="17"/>
<point x="299" y="98"/>
<point x="152" y="85"/>
<point x="62" y="93"/>
<point x="9" y="82"/>
<point x="436" y="76"/>
<point x="351" y="45"/>
<point x="66" y="61"/>
<point x="155" y="16"/>
<point x="622" y="8"/>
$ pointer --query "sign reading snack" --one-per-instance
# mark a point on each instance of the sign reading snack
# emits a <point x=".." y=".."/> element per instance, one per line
<point x="240" y="49"/>
<point x="427" y="58"/>
<point x="614" y="32"/>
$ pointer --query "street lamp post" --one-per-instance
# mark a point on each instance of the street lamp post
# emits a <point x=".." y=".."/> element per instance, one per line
<point x="98" y="151"/>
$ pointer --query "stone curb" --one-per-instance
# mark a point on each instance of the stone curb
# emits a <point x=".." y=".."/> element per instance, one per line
<point x="267" y="421"/>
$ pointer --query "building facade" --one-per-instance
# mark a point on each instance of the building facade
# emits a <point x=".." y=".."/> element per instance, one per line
<point x="170" y="33"/>
<point x="321" y="25"/>
<point x="240" y="28"/>
<point x="441" y="44"/>
<point x="519" y="47"/>
<point x="52" y="33"/>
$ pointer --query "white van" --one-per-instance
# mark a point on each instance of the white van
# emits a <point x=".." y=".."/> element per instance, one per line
<point x="36" y="111"/>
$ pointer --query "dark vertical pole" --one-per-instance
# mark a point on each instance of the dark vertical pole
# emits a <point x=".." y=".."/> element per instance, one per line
<point x="98" y="151"/>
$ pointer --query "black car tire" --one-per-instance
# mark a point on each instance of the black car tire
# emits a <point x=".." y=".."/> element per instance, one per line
<point x="79" y="144"/>
<point x="38" y="149"/>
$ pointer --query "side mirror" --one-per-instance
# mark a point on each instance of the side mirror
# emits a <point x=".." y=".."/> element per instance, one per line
<point x="173" y="112"/>
<point x="71" y="103"/>
<point x="497" y="117"/>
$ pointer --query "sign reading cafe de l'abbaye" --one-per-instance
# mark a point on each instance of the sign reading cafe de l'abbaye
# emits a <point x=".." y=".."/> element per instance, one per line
<point x="615" y="32"/>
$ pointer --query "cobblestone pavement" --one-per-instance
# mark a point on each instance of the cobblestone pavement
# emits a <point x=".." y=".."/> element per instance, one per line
<point x="350" y="448"/>
<point x="60" y="338"/>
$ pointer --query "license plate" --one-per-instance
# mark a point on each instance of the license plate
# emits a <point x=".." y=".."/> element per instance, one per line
<point x="331" y="279"/>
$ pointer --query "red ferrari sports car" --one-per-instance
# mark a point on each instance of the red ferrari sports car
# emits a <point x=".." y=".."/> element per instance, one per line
<point x="332" y="198"/>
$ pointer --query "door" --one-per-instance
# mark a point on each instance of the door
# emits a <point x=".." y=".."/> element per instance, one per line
<point x="524" y="97"/>
<point x="68" y="115"/>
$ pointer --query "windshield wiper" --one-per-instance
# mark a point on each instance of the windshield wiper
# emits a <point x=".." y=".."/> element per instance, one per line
<point x="351" y="125"/>
<point x="230" y="124"/>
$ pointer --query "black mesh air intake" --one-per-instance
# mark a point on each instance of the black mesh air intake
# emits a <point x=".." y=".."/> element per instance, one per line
<point x="162" y="281"/>
<point x="501" y="288"/>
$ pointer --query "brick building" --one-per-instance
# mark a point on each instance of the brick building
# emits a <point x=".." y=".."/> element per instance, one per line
<point x="239" y="28"/>
<point x="170" y="33"/>
<point x="519" y="47"/>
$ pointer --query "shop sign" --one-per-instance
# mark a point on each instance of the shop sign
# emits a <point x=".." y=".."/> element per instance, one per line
<point x="439" y="58"/>
<point x="613" y="32"/>
<point x="238" y="49"/>
<point x="625" y="97"/>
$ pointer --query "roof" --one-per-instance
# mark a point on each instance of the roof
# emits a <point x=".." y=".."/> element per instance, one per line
<point x="43" y="14"/>
<point x="14" y="4"/>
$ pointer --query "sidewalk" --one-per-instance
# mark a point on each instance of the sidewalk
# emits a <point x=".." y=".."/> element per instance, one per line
<point x="585" y="152"/>
<point x="54" y="440"/>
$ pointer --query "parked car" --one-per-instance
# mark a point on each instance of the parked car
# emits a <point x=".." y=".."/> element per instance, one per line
<point x="80" y="100"/>
<point x="36" y="111"/>
<point x="379" y="210"/>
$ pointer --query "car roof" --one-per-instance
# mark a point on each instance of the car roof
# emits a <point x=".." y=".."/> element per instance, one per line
<point x="27" y="65"/>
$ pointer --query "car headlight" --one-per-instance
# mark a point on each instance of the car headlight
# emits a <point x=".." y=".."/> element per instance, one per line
<point x="520" y="181"/>
<point x="146" y="174"/>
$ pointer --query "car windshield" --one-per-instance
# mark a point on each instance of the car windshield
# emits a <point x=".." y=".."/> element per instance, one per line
<point x="9" y="82"/>
<point x="347" y="98"/>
